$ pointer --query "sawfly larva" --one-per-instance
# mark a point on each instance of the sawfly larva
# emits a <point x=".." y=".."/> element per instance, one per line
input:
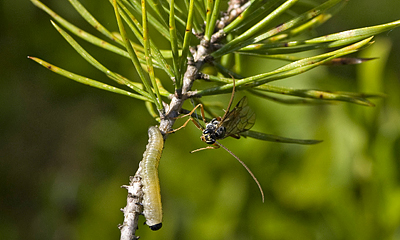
<point x="152" y="209"/>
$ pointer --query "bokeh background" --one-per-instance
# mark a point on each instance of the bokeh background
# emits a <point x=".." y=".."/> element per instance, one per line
<point x="66" y="148"/>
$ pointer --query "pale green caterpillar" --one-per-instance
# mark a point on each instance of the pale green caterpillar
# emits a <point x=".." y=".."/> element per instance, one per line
<point x="152" y="209"/>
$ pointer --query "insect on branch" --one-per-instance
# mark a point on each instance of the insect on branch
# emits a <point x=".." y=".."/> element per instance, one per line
<point x="139" y="191"/>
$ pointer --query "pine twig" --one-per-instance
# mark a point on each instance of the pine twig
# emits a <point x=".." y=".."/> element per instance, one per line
<point x="133" y="207"/>
<point x="135" y="194"/>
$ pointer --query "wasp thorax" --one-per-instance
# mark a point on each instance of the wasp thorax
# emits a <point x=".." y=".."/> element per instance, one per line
<point x="220" y="132"/>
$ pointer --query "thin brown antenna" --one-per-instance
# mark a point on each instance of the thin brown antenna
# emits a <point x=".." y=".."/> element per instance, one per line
<point x="245" y="166"/>
<point x="230" y="101"/>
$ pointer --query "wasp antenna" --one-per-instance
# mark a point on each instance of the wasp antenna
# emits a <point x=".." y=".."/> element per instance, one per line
<point x="230" y="101"/>
<point x="245" y="166"/>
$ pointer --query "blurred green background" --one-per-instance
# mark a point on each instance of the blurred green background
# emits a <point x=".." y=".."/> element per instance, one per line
<point x="66" y="148"/>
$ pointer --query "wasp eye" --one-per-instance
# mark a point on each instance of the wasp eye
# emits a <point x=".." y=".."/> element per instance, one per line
<point x="207" y="131"/>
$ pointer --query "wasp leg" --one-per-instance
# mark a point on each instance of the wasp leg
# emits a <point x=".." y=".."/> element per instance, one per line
<point x="237" y="136"/>
<point x="191" y="119"/>
<point x="184" y="125"/>
<point x="194" y="109"/>
<point x="204" y="148"/>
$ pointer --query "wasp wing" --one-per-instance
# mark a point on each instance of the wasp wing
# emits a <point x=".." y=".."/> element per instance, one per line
<point x="240" y="119"/>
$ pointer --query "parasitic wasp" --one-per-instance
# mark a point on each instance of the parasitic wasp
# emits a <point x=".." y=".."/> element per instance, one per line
<point x="240" y="119"/>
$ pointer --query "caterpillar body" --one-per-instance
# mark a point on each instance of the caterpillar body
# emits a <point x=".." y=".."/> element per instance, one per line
<point x="152" y="208"/>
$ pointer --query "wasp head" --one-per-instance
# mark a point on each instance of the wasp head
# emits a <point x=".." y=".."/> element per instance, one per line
<point x="213" y="131"/>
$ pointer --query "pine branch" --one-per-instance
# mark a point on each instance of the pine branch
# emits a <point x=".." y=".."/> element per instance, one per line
<point x="235" y="33"/>
<point x="133" y="208"/>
